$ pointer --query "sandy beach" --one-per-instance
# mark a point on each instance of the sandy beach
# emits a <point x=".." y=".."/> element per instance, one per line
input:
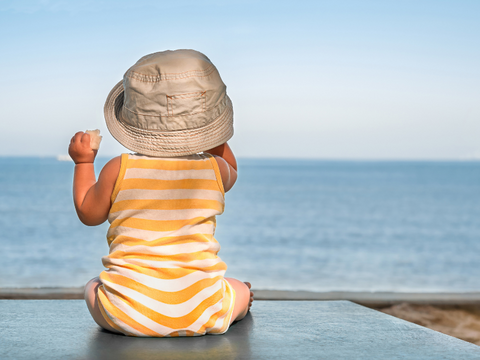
<point x="460" y="321"/>
<point x="454" y="314"/>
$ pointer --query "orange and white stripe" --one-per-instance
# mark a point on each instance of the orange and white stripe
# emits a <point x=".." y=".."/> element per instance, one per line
<point x="164" y="277"/>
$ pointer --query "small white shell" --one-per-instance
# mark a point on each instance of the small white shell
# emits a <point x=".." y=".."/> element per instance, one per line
<point x="95" y="138"/>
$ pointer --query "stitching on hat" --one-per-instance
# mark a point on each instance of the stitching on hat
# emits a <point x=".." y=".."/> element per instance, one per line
<point x="168" y="112"/>
<point x="193" y="94"/>
<point x="137" y="113"/>
<point x="171" y="76"/>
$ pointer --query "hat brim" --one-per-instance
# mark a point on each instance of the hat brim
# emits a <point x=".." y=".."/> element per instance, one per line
<point x="166" y="143"/>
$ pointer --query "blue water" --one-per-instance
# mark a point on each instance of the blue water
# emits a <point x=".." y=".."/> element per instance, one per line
<point x="288" y="225"/>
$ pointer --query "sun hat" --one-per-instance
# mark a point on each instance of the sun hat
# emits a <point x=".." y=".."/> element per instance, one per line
<point x="170" y="103"/>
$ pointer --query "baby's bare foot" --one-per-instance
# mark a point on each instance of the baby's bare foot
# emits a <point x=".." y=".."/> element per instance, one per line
<point x="251" y="295"/>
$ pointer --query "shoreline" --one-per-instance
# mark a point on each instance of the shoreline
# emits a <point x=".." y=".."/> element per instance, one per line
<point x="370" y="299"/>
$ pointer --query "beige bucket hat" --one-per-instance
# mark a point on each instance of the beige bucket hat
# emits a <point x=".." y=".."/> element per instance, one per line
<point x="170" y="103"/>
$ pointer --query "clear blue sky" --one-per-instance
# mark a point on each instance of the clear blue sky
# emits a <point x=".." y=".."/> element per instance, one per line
<point x="317" y="79"/>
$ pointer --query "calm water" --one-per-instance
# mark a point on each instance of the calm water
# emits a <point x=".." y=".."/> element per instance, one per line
<point x="289" y="225"/>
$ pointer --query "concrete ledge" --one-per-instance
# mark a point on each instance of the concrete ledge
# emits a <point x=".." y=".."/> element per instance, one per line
<point x="371" y="299"/>
<point x="59" y="293"/>
<point x="374" y="299"/>
<point x="58" y="329"/>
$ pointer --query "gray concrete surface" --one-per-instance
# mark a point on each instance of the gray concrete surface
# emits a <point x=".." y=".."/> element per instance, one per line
<point x="63" y="329"/>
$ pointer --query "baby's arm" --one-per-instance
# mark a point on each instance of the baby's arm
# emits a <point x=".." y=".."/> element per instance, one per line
<point x="226" y="163"/>
<point x="91" y="198"/>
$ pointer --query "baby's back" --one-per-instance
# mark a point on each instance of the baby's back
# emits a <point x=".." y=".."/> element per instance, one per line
<point x="164" y="277"/>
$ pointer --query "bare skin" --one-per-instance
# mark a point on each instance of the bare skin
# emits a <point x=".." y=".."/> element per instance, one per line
<point x="244" y="299"/>
<point x="92" y="203"/>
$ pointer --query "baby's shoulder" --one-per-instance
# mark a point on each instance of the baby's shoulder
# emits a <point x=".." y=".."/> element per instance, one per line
<point x="113" y="164"/>
<point x="111" y="170"/>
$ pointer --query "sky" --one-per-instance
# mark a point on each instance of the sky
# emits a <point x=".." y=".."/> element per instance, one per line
<point x="308" y="79"/>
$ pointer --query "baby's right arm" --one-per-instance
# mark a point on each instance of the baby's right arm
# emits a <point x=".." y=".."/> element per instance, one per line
<point x="91" y="197"/>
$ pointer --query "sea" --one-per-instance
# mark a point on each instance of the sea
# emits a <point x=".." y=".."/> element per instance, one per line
<point x="316" y="225"/>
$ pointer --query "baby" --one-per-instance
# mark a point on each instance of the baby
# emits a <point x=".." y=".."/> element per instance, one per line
<point x="163" y="275"/>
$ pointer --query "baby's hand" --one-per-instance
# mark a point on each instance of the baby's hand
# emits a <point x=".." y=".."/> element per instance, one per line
<point x="80" y="150"/>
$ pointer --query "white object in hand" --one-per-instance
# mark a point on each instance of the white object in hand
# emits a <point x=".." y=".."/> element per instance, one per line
<point x="95" y="138"/>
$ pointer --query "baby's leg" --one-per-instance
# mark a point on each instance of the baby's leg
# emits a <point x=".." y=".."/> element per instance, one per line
<point x="92" y="304"/>
<point x="243" y="300"/>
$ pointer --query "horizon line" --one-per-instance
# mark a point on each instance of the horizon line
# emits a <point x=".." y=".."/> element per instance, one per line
<point x="64" y="157"/>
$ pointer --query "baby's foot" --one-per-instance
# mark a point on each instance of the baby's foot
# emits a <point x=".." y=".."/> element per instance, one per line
<point x="251" y="295"/>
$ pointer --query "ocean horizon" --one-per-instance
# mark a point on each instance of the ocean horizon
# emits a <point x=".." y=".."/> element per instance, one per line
<point x="101" y="159"/>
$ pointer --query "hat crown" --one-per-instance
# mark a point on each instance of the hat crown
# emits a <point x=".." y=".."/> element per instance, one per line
<point x="172" y="90"/>
<point x="170" y="62"/>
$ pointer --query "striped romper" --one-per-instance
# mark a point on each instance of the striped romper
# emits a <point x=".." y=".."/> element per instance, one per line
<point x="164" y="277"/>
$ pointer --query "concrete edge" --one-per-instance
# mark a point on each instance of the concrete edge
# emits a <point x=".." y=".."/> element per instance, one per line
<point x="41" y="293"/>
<point x="374" y="299"/>
<point x="371" y="299"/>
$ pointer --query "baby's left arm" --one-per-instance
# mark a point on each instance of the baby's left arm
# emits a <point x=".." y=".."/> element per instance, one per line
<point x="91" y="197"/>
<point x="227" y="164"/>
